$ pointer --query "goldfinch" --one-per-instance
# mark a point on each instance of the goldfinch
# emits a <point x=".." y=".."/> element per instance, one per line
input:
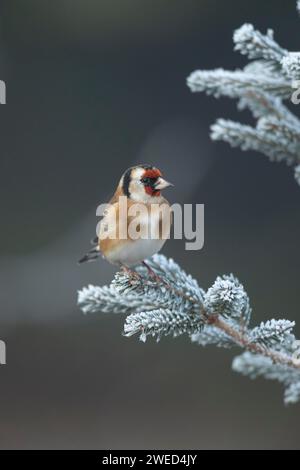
<point x="128" y="237"/>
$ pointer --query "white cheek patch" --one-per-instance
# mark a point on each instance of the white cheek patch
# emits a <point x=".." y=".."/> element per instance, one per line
<point x="137" y="173"/>
<point x="137" y="190"/>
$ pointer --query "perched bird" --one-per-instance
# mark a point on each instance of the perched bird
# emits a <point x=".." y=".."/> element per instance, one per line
<point x="140" y="189"/>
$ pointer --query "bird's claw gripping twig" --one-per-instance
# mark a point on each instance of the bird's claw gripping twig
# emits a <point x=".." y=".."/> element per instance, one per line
<point x="133" y="275"/>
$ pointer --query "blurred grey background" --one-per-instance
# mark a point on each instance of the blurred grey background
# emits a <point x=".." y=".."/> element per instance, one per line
<point x="92" y="88"/>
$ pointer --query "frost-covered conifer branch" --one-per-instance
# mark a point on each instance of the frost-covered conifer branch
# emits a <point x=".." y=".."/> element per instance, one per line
<point x="261" y="138"/>
<point x="232" y="84"/>
<point x="261" y="87"/>
<point x="257" y="365"/>
<point x="256" y="45"/>
<point x="219" y="316"/>
<point x="291" y="65"/>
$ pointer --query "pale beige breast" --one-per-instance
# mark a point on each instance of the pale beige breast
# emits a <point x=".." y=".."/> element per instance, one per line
<point x="138" y="235"/>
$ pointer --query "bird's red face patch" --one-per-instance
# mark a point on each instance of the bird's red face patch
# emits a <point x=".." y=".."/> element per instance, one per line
<point x="149" y="179"/>
<point x="152" y="173"/>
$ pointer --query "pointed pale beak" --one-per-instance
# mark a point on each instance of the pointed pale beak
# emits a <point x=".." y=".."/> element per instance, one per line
<point x="162" y="184"/>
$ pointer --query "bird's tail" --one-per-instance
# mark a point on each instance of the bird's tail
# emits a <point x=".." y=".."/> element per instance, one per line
<point x="92" y="254"/>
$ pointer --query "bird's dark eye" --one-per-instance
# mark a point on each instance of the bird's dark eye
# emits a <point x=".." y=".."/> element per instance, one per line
<point x="148" y="181"/>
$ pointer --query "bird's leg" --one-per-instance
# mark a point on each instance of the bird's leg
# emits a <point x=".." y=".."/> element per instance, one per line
<point x="130" y="272"/>
<point x="153" y="275"/>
